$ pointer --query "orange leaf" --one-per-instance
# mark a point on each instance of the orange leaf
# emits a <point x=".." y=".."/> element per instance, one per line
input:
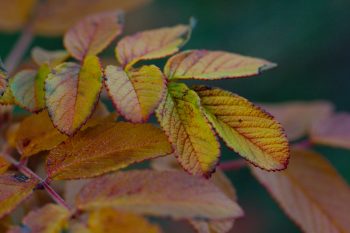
<point x="108" y="220"/>
<point x="180" y="115"/>
<point x="151" y="44"/>
<point x="311" y="192"/>
<point x="135" y="93"/>
<point x="297" y="117"/>
<point x="48" y="219"/>
<point x="333" y="131"/>
<point x="93" y="34"/>
<point x="158" y="193"/>
<point x="14" y="188"/>
<point x="212" y="65"/>
<point x="110" y="147"/>
<point x="4" y="165"/>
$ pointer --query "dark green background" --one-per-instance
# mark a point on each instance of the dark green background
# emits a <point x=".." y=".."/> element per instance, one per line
<point x="310" y="40"/>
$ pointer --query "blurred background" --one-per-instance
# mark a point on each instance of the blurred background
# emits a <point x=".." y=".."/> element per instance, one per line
<point x="310" y="41"/>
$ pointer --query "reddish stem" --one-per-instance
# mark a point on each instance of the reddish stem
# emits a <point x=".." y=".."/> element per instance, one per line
<point x="233" y="165"/>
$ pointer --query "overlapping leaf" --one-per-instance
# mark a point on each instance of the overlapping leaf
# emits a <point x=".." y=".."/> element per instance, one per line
<point x="245" y="128"/>
<point x="106" y="148"/>
<point x="311" y="192"/>
<point x="36" y="133"/>
<point x="3" y="78"/>
<point x="297" y="117"/>
<point x="27" y="87"/>
<point x="14" y="188"/>
<point x="167" y="193"/>
<point x="212" y="65"/>
<point x="333" y="130"/>
<point x="181" y="118"/>
<point x="51" y="58"/>
<point x="4" y="165"/>
<point x="72" y="92"/>
<point x="93" y="34"/>
<point x="108" y="220"/>
<point x="152" y="44"/>
<point x="48" y="219"/>
<point x="7" y="97"/>
<point x="135" y="93"/>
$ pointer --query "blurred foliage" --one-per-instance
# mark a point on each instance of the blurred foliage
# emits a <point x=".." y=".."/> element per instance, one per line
<point x="308" y="39"/>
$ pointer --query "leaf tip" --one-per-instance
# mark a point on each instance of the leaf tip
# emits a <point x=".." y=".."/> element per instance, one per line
<point x="267" y="66"/>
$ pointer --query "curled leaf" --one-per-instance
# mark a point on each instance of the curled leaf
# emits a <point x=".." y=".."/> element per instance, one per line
<point x="14" y="188"/>
<point x="51" y="58"/>
<point x="48" y="219"/>
<point x="158" y="193"/>
<point x="212" y="65"/>
<point x="93" y="34"/>
<point x="108" y="220"/>
<point x="27" y="87"/>
<point x="245" y="128"/>
<point x="333" y="131"/>
<point x="72" y="92"/>
<point x="194" y="142"/>
<point x="135" y="93"/>
<point x="152" y="44"/>
<point x="297" y="117"/>
<point x="106" y="148"/>
<point x="311" y="192"/>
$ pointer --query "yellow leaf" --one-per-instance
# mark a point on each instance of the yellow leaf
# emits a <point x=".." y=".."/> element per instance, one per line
<point x="192" y="137"/>
<point x="297" y="117"/>
<point x="27" y="87"/>
<point x="93" y="34"/>
<point x="158" y="193"/>
<point x="14" y="188"/>
<point x="4" y="165"/>
<point x="151" y="44"/>
<point x="245" y="128"/>
<point x="7" y="97"/>
<point x="51" y="58"/>
<point x="212" y="65"/>
<point x="311" y="192"/>
<point x="36" y="133"/>
<point x="108" y="220"/>
<point x="106" y="148"/>
<point x="135" y="94"/>
<point x="48" y="219"/>
<point x="333" y="130"/>
<point x="72" y="92"/>
<point x="77" y="227"/>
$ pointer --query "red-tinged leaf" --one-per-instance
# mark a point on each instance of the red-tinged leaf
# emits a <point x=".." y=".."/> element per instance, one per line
<point x="72" y="92"/>
<point x="51" y="58"/>
<point x="106" y="148"/>
<point x="311" y="192"/>
<point x="212" y="65"/>
<point x="245" y="128"/>
<point x="48" y="219"/>
<point x="3" y="78"/>
<point x="158" y="193"/>
<point x="180" y="115"/>
<point x="135" y="94"/>
<point x="152" y="44"/>
<point x="14" y="188"/>
<point x="108" y="220"/>
<point x="297" y="117"/>
<point x="93" y="34"/>
<point x="4" y="165"/>
<point x="27" y="87"/>
<point x="333" y="131"/>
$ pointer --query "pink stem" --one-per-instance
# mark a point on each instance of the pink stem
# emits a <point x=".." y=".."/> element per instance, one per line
<point x="233" y="165"/>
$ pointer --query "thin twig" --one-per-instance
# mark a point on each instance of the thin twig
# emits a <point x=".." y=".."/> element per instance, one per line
<point x="233" y="165"/>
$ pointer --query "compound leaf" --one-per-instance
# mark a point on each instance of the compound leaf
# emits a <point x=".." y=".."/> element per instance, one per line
<point x="311" y="192"/>
<point x="192" y="137"/>
<point x="93" y="34"/>
<point x="135" y="93"/>
<point x="72" y="91"/>
<point x="212" y="65"/>
<point x="106" y="148"/>
<point x="245" y="128"/>
<point x="152" y="44"/>
<point x="158" y="193"/>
